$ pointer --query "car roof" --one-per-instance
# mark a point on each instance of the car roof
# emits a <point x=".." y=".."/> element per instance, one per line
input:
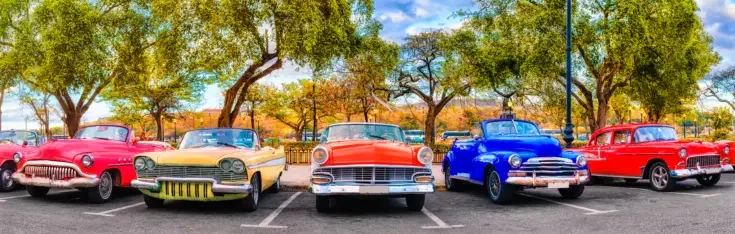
<point x="630" y="126"/>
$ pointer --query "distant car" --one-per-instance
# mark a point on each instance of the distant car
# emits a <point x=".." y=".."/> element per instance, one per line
<point x="655" y="153"/>
<point x="12" y="143"/>
<point x="370" y="159"/>
<point x="456" y="135"/>
<point x="582" y="138"/>
<point x="415" y="136"/>
<point x="512" y="155"/>
<point x="309" y="136"/>
<point x="99" y="158"/>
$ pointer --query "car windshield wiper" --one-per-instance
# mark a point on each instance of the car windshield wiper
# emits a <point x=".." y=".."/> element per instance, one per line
<point x="379" y="137"/>
<point x="102" y="138"/>
<point x="227" y="144"/>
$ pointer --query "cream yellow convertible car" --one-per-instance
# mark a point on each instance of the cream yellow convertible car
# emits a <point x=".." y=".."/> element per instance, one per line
<point x="211" y="165"/>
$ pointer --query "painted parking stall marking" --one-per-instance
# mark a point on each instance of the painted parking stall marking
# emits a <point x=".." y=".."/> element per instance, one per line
<point x="3" y="199"/>
<point x="266" y="222"/>
<point x="437" y="220"/>
<point x="107" y="213"/>
<point x="698" y="194"/>
<point x="589" y="210"/>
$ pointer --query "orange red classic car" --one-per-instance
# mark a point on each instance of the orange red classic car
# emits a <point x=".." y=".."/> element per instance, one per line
<point x="654" y="152"/>
<point x="99" y="158"/>
<point x="370" y="159"/>
<point x="14" y="143"/>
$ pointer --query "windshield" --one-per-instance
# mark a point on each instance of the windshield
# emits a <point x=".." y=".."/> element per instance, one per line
<point x="414" y="133"/>
<point x="511" y="127"/>
<point x="224" y="137"/>
<point x="658" y="133"/>
<point x="376" y="132"/>
<point x="103" y="132"/>
<point x="17" y="137"/>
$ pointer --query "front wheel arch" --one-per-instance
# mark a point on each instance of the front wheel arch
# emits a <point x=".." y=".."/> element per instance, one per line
<point x="650" y="163"/>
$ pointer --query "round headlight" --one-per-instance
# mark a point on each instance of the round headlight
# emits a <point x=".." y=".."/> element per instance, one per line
<point x="581" y="161"/>
<point x="149" y="163"/>
<point x="17" y="157"/>
<point x="238" y="166"/>
<point x="426" y="155"/>
<point x="726" y="150"/>
<point x="514" y="161"/>
<point x="319" y="155"/>
<point x="139" y="163"/>
<point x="682" y="153"/>
<point x="87" y="160"/>
<point x="225" y="165"/>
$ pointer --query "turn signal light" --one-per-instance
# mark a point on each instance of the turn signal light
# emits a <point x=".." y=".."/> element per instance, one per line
<point x="582" y="173"/>
<point x="516" y="174"/>
<point x="319" y="180"/>
<point x="423" y="179"/>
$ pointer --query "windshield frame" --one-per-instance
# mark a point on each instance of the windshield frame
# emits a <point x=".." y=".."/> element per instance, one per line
<point x="127" y="134"/>
<point x="400" y="132"/>
<point x="256" y="137"/>
<point x="515" y="122"/>
<point x="653" y="139"/>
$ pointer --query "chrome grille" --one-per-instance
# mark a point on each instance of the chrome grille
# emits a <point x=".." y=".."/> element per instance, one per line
<point x="549" y="166"/>
<point x="191" y="172"/>
<point x="704" y="161"/>
<point x="53" y="172"/>
<point x="372" y="174"/>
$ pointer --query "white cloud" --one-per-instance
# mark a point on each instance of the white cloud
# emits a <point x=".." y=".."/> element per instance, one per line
<point x="421" y="13"/>
<point x="395" y="17"/>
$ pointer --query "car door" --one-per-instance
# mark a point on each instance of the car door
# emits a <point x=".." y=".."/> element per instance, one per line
<point x="599" y="164"/>
<point x="462" y="158"/>
<point x="619" y="155"/>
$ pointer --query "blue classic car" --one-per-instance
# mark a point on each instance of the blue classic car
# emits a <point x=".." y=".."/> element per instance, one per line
<point x="511" y="155"/>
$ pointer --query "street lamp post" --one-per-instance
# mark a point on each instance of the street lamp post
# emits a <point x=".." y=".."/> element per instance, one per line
<point x="175" y="138"/>
<point x="201" y="123"/>
<point x="569" y="129"/>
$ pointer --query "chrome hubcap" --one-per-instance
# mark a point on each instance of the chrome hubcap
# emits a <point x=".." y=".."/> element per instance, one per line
<point x="256" y="192"/>
<point x="105" y="186"/>
<point x="494" y="184"/>
<point x="6" y="180"/>
<point x="659" y="177"/>
<point x="447" y="180"/>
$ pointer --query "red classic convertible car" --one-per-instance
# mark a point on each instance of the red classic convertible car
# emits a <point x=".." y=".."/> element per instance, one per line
<point x="370" y="159"/>
<point x="99" y="158"/>
<point x="12" y="142"/>
<point x="654" y="152"/>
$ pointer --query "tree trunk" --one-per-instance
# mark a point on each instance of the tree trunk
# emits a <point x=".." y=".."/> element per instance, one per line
<point x="159" y="128"/>
<point x="430" y="127"/>
<point x="72" y="122"/>
<point x="365" y="115"/>
<point x="252" y="119"/>
<point x="313" y="102"/>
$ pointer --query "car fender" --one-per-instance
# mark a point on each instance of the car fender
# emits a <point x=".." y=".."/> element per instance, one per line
<point x="497" y="159"/>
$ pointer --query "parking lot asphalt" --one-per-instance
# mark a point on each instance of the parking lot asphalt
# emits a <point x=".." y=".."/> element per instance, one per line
<point x="615" y="208"/>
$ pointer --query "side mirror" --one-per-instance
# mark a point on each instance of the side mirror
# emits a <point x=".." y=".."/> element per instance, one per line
<point x="25" y="143"/>
<point x="476" y="137"/>
<point x="136" y="140"/>
<point x="409" y="139"/>
<point x="323" y="139"/>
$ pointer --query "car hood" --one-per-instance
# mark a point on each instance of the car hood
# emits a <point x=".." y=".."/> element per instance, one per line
<point x="542" y="146"/>
<point x="66" y="150"/>
<point x="199" y="156"/>
<point x="369" y="152"/>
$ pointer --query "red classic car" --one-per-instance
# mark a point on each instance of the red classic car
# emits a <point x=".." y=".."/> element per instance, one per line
<point x="12" y="142"/>
<point x="97" y="159"/>
<point x="370" y="159"/>
<point x="654" y="152"/>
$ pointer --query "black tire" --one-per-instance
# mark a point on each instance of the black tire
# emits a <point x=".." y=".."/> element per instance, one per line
<point x="451" y="184"/>
<point x="573" y="192"/>
<point x="415" y="202"/>
<point x="103" y="191"/>
<point x="596" y="180"/>
<point x="36" y="191"/>
<point x="631" y="181"/>
<point x="152" y="202"/>
<point x="708" y="180"/>
<point x="7" y="183"/>
<point x="322" y="203"/>
<point x="276" y="187"/>
<point x="498" y="191"/>
<point x="660" y="178"/>
<point x="250" y="203"/>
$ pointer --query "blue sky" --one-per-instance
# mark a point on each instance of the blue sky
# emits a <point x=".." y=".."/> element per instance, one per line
<point x="401" y="18"/>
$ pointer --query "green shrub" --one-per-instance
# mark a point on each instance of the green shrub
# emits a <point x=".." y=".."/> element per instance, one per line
<point x="720" y="134"/>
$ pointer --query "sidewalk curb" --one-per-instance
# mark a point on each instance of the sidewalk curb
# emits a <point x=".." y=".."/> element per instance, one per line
<point x="305" y="188"/>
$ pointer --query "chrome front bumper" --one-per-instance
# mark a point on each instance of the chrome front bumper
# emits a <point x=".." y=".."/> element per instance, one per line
<point x="46" y="182"/>
<point x="543" y="181"/>
<point x="155" y="185"/>
<point x="371" y="189"/>
<point x="686" y="173"/>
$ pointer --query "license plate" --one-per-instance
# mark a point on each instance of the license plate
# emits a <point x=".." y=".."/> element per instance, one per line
<point x="373" y="189"/>
<point x="558" y="184"/>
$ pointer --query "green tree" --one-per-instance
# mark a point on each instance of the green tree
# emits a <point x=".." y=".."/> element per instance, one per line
<point x="255" y="97"/>
<point x="721" y="86"/>
<point x="721" y="118"/>
<point x="290" y="105"/>
<point x="247" y="40"/>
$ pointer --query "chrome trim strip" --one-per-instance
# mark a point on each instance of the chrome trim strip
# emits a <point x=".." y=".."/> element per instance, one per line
<point x="47" y="182"/>
<point x="374" y="165"/>
<point x="273" y="162"/>
<point x="216" y="186"/>
<point x="542" y="181"/>
<point x="618" y="176"/>
<point x="354" y="189"/>
<point x="56" y="164"/>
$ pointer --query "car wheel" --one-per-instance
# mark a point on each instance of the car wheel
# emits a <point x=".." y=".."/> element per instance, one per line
<point x="451" y="184"/>
<point x="276" y="187"/>
<point x="103" y="191"/>
<point x="250" y="203"/>
<point x="498" y="191"/>
<point x="660" y="178"/>
<point x="573" y="192"/>
<point x="708" y="180"/>
<point x="322" y="203"/>
<point x="415" y="202"/>
<point x="7" y="183"/>
<point x="36" y="191"/>
<point x="152" y="202"/>
<point x="631" y="181"/>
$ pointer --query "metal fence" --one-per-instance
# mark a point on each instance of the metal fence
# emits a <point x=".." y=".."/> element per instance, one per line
<point x="297" y="156"/>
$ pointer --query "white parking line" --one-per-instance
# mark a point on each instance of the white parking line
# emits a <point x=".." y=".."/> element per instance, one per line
<point x="265" y="223"/>
<point x="729" y="182"/>
<point x="3" y="199"/>
<point x="699" y="195"/>
<point x="590" y="211"/>
<point x="107" y="213"/>
<point x="437" y="220"/>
